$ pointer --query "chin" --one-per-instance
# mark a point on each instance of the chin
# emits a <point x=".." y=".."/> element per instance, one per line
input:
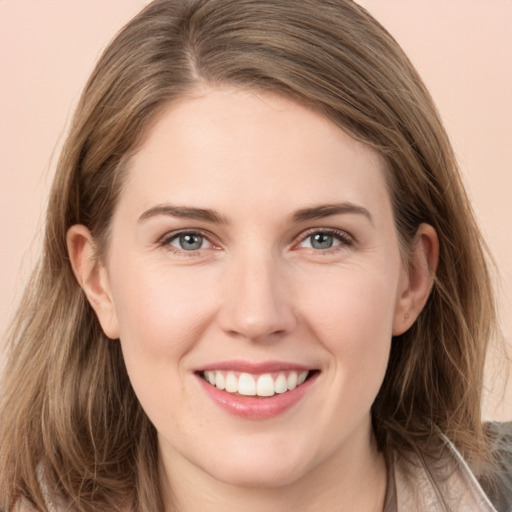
<point x="261" y="476"/>
<point x="254" y="467"/>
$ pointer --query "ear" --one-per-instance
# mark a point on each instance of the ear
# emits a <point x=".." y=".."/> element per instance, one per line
<point x="418" y="278"/>
<point x="92" y="277"/>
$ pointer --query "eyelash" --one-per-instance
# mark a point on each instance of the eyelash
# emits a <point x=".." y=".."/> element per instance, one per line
<point x="166" y="240"/>
<point x="343" y="237"/>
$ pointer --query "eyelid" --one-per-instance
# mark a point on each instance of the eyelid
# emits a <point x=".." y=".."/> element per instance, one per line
<point x="167" y="238"/>
<point x="346" y="238"/>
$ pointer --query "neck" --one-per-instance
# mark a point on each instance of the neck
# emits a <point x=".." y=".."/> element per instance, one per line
<point x="354" y="479"/>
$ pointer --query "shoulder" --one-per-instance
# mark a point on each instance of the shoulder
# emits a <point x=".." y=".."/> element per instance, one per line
<point x="500" y="437"/>
<point x="436" y="477"/>
<point x="498" y="485"/>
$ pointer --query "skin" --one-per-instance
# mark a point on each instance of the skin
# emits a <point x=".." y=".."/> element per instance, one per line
<point x="257" y="290"/>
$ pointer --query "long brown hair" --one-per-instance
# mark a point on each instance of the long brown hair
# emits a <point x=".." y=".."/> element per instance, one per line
<point x="71" y="427"/>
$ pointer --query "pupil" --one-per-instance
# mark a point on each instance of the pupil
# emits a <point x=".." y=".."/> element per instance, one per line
<point x="322" y="241"/>
<point x="191" y="242"/>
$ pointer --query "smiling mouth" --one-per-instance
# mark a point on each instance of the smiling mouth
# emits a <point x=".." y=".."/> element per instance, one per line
<point x="262" y="385"/>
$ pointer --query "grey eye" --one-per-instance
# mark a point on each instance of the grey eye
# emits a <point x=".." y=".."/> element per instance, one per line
<point x="188" y="242"/>
<point x="321" y="241"/>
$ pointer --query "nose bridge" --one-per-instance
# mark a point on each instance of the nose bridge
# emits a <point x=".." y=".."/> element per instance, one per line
<point x="256" y="304"/>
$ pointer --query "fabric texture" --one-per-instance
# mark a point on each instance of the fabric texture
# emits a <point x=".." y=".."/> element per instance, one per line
<point x="436" y="479"/>
<point x="439" y="480"/>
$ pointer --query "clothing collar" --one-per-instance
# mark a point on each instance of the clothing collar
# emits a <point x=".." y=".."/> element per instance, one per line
<point x="435" y="480"/>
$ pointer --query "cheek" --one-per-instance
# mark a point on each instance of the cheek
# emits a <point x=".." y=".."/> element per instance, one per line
<point x="162" y="316"/>
<point x="356" y="303"/>
<point x="353" y="320"/>
<point x="159" y="311"/>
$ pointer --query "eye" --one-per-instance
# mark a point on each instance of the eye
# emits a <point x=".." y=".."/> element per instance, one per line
<point x="188" y="241"/>
<point x="322" y="240"/>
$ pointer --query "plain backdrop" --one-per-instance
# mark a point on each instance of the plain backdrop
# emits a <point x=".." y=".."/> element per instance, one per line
<point x="462" y="49"/>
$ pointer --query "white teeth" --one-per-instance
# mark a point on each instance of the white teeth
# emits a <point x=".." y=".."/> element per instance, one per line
<point x="231" y="383"/>
<point x="250" y="385"/>
<point x="291" y="381"/>
<point x="265" y="386"/>
<point x="301" y="378"/>
<point x="246" y="384"/>
<point x="219" y="380"/>
<point x="280" y="385"/>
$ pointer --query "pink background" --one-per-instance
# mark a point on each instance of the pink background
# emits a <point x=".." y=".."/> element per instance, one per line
<point x="461" y="48"/>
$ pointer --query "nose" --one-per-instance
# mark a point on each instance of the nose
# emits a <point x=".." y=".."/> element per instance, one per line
<point x="256" y="303"/>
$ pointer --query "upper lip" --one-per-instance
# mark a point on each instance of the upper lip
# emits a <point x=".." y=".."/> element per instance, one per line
<point x="254" y="367"/>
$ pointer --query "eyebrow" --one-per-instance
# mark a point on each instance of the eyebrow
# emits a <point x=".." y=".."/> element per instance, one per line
<point x="326" y="210"/>
<point x="184" y="212"/>
<point x="208" y="215"/>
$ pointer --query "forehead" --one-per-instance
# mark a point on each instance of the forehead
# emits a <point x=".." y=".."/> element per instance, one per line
<point x="226" y="144"/>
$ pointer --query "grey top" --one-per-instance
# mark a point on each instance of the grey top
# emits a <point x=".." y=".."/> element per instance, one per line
<point x="439" y="480"/>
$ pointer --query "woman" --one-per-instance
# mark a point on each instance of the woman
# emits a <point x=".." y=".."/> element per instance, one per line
<point x="262" y="283"/>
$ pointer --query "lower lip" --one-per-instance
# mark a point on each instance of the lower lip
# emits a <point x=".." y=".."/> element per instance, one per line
<point x="254" y="407"/>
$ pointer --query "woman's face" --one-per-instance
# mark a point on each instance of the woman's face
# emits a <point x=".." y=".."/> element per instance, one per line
<point x="253" y="246"/>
